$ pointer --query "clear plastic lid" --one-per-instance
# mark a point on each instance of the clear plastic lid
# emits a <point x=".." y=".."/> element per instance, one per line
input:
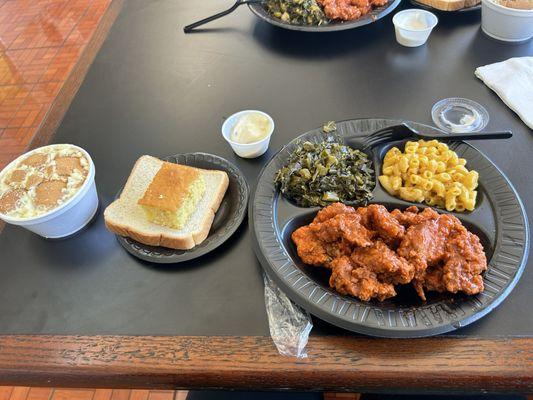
<point x="459" y="115"/>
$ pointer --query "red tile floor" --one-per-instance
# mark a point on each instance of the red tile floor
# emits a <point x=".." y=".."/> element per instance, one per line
<point x="26" y="393"/>
<point x="40" y="43"/>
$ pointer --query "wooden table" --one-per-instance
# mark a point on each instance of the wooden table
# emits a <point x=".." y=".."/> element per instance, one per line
<point x="252" y="362"/>
<point x="82" y="313"/>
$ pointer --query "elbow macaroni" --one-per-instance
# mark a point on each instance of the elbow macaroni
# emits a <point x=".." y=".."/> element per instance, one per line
<point x="428" y="171"/>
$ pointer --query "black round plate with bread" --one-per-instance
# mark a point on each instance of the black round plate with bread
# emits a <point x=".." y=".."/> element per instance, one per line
<point x="499" y="220"/>
<point x="229" y="216"/>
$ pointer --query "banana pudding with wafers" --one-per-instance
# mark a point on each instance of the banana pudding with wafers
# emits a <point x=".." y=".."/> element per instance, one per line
<point x="42" y="181"/>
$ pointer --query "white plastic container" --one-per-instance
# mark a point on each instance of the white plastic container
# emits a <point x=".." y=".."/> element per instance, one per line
<point x="69" y="217"/>
<point x="247" y="150"/>
<point x="413" y="26"/>
<point x="506" y="24"/>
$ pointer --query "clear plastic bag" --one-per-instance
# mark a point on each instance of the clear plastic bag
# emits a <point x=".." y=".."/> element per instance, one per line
<point x="289" y="324"/>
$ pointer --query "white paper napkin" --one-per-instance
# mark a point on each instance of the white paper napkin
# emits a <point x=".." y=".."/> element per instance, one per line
<point x="512" y="80"/>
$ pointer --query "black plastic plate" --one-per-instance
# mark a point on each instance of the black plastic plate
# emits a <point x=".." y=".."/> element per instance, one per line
<point x="499" y="220"/>
<point x="376" y="14"/>
<point x="229" y="216"/>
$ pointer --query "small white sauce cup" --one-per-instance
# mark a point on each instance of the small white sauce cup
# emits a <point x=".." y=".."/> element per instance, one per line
<point x="247" y="150"/>
<point x="408" y="36"/>
<point x="69" y="217"/>
<point x="505" y="23"/>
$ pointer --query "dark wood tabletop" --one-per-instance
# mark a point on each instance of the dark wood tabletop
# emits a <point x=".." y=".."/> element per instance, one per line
<point x="81" y="312"/>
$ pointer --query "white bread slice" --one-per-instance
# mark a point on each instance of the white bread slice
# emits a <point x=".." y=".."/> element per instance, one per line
<point x="127" y="218"/>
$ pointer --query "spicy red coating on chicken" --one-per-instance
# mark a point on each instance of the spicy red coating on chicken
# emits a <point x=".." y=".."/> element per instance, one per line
<point x="370" y="250"/>
<point x="348" y="10"/>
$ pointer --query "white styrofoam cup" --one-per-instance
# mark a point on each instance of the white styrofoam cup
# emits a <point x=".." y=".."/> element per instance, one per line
<point x="69" y="217"/>
<point x="247" y="150"/>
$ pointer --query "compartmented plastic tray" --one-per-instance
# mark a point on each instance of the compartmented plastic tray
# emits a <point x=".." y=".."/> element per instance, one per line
<point x="499" y="220"/>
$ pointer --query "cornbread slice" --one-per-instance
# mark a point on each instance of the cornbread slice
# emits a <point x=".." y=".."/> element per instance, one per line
<point x="173" y="194"/>
<point x="126" y="217"/>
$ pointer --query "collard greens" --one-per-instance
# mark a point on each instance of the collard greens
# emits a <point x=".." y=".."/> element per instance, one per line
<point x="318" y="174"/>
<point x="299" y="12"/>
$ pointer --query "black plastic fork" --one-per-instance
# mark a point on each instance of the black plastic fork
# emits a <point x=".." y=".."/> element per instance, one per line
<point x="194" y="25"/>
<point x="405" y="131"/>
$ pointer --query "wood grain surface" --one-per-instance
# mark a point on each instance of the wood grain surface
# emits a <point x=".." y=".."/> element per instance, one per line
<point x="334" y="363"/>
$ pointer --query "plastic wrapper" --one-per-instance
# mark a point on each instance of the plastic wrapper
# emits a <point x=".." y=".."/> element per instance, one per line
<point x="289" y="324"/>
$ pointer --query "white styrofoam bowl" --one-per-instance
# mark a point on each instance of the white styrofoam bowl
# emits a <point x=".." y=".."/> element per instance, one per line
<point x="247" y="150"/>
<point x="506" y="24"/>
<point x="69" y="217"/>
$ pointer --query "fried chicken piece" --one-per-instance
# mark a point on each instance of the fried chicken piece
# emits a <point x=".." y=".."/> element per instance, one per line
<point x="446" y="256"/>
<point x="363" y="6"/>
<point x="338" y="249"/>
<point x="348" y="10"/>
<point x="432" y="281"/>
<point x="332" y="211"/>
<point x="310" y="249"/>
<point x="358" y="282"/>
<point x="340" y="9"/>
<point x="343" y="226"/>
<point x="465" y="261"/>
<point x="376" y="217"/>
<point x="380" y="259"/>
<point x="413" y="216"/>
<point x="424" y="245"/>
<point x="369" y="250"/>
<point x="461" y="269"/>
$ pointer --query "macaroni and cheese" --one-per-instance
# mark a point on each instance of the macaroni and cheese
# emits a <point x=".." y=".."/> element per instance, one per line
<point x="428" y="171"/>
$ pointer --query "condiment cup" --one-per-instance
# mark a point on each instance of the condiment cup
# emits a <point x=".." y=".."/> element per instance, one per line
<point x="247" y="150"/>
<point x="505" y="23"/>
<point x="69" y="217"/>
<point x="410" y="36"/>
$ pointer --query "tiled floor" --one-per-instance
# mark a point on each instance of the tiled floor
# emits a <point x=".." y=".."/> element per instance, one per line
<point x="26" y="393"/>
<point x="40" y="43"/>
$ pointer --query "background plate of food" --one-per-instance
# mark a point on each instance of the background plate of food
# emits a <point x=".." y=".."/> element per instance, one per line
<point x="410" y="239"/>
<point x="322" y="15"/>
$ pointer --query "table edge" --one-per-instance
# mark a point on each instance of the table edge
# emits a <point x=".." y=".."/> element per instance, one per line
<point x="334" y="363"/>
